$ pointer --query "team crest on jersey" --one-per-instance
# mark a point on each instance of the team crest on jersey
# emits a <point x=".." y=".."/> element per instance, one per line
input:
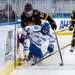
<point x="35" y="12"/>
<point x="33" y="18"/>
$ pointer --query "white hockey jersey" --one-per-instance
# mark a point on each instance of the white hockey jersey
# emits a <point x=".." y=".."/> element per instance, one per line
<point x="35" y="35"/>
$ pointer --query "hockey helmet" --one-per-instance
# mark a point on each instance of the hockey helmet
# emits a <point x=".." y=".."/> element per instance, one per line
<point x="28" y="7"/>
<point x="8" y="7"/>
<point x="45" y="27"/>
<point x="28" y="10"/>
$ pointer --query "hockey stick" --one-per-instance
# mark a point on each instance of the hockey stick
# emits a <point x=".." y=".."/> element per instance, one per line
<point x="59" y="50"/>
<point x="45" y="54"/>
<point x="22" y="63"/>
<point x="50" y="55"/>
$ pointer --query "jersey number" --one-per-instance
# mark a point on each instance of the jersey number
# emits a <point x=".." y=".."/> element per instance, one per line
<point x="38" y="40"/>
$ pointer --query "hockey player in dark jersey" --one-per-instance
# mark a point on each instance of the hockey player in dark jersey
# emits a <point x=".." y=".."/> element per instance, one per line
<point x="33" y="17"/>
<point x="72" y="27"/>
<point x="7" y="12"/>
<point x="30" y="17"/>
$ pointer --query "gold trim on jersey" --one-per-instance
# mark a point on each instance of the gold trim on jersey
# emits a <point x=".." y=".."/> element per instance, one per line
<point x="41" y="15"/>
<point x="71" y="15"/>
<point x="74" y="11"/>
<point x="46" y="17"/>
<point x="35" y="12"/>
<point x="73" y="38"/>
<point x="33" y="18"/>
<point x="41" y="24"/>
<point x="30" y="23"/>
<point x="72" y="19"/>
<point x="53" y="23"/>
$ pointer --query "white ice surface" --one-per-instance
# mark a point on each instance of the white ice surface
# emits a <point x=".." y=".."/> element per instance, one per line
<point x="50" y="66"/>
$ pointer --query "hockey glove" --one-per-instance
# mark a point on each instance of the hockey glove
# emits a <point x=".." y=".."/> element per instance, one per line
<point x="54" y="26"/>
<point x="70" y="28"/>
<point x="50" y="48"/>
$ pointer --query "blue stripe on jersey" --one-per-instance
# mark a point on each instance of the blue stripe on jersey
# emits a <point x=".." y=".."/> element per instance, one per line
<point x="34" y="41"/>
<point x="24" y="37"/>
<point x="36" y="31"/>
<point x="37" y="44"/>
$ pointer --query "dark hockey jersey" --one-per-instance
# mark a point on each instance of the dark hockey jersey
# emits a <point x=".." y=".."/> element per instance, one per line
<point x="4" y="18"/>
<point x="73" y="18"/>
<point x="35" y="19"/>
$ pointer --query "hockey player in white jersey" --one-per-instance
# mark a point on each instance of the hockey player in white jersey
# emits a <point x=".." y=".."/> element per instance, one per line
<point x="33" y="37"/>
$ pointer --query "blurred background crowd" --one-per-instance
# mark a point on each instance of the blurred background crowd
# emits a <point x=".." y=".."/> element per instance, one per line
<point x="10" y="10"/>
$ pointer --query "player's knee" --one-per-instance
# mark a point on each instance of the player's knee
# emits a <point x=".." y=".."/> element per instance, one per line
<point x="40" y="55"/>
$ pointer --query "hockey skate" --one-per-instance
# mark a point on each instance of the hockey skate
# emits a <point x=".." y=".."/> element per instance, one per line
<point x="28" y="60"/>
<point x="72" y="49"/>
<point x="31" y="57"/>
<point x="73" y="41"/>
<point x="72" y="46"/>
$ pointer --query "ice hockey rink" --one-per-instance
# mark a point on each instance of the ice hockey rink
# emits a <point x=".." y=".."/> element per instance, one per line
<point x="50" y="66"/>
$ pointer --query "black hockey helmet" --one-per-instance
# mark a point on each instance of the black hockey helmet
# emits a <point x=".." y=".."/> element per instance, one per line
<point x="8" y="6"/>
<point x="28" y="7"/>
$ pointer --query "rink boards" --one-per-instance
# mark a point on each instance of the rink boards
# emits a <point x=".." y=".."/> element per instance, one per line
<point x="9" y="64"/>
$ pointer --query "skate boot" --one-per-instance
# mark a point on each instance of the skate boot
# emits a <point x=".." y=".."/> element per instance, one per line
<point x="26" y="60"/>
<point x="72" y="45"/>
<point x="73" y="41"/>
<point x="72" y="49"/>
<point x="30" y="56"/>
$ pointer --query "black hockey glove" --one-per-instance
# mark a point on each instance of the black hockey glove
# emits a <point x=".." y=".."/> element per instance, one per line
<point x="70" y="28"/>
<point x="54" y="26"/>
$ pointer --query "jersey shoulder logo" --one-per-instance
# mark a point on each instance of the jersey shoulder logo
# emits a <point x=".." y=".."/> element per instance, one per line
<point x="35" y="12"/>
<point x="35" y="27"/>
